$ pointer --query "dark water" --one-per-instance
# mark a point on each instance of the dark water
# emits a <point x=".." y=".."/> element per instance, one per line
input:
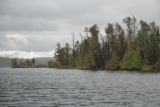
<point x="75" y="88"/>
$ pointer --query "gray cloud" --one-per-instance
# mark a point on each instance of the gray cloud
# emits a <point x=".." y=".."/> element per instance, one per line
<point x="37" y="25"/>
<point x="26" y="24"/>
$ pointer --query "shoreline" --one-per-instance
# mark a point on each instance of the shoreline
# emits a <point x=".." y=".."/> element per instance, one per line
<point x="117" y="70"/>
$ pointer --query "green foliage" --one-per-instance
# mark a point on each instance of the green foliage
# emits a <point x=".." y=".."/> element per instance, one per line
<point x="148" y="39"/>
<point x="52" y="64"/>
<point x="62" y="54"/>
<point x="14" y="63"/>
<point x="33" y="62"/>
<point x="85" y="59"/>
<point x="94" y="44"/>
<point x="131" y="60"/>
<point x="120" y="41"/>
<point x="28" y="62"/>
<point x="109" y="30"/>
<point x="71" y="61"/>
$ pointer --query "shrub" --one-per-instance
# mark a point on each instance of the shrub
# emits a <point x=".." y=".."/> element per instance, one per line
<point x="52" y="64"/>
<point x="132" y="59"/>
<point x="71" y="61"/>
<point x="147" y="68"/>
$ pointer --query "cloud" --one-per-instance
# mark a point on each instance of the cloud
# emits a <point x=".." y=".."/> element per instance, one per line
<point x="17" y="37"/>
<point x="24" y="54"/>
<point x="10" y="23"/>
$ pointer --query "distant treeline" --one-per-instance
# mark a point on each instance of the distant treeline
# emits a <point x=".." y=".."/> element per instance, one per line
<point x="26" y="64"/>
<point x="136" y="48"/>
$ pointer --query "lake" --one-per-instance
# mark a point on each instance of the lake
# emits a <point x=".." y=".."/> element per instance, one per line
<point x="34" y="87"/>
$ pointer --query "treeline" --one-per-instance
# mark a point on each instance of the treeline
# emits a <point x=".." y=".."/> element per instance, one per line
<point x="26" y="64"/>
<point x="136" y="48"/>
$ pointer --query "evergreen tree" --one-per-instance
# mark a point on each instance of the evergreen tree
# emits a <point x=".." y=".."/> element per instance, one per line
<point x="28" y="63"/>
<point x="33" y="62"/>
<point x="94" y="44"/>
<point x="148" y="40"/>
<point x="132" y="59"/>
<point x="14" y="63"/>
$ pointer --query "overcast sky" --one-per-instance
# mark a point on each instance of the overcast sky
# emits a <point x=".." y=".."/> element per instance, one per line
<point x="31" y="28"/>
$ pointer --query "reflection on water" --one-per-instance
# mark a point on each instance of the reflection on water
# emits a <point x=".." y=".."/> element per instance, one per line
<point x="72" y="88"/>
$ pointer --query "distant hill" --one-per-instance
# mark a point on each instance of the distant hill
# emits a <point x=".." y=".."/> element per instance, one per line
<point x="6" y="62"/>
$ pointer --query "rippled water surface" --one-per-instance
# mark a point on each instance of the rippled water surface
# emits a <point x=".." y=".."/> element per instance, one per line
<point x="76" y="88"/>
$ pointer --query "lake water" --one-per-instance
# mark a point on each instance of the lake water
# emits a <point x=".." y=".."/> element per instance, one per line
<point x="76" y="88"/>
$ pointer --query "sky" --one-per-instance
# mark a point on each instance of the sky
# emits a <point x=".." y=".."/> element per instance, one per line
<point x="32" y="28"/>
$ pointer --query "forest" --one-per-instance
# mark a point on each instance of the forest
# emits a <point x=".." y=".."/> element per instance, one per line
<point x="26" y="63"/>
<point x="132" y="46"/>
